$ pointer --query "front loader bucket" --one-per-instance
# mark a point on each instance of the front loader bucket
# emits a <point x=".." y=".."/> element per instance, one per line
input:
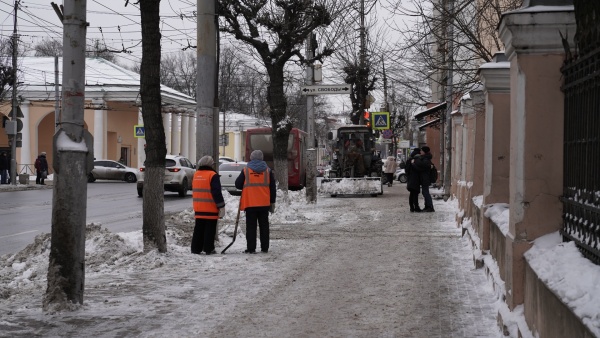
<point x="351" y="186"/>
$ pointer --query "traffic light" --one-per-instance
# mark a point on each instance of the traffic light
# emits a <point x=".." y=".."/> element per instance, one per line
<point x="367" y="118"/>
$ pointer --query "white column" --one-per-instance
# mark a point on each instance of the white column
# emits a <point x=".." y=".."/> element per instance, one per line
<point x="185" y="140"/>
<point x="141" y="142"/>
<point x="175" y="134"/>
<point x="237" y="145"/>
<point x="192" y="139"/>
<point x="167" y="127"/>
<point x="99" y="130"/>
<point x="26" y="139"/>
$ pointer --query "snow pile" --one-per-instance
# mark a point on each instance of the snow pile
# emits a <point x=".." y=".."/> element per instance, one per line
<point x="349" y="186"/>
<point x="499" y="214"/>
<point x="572" y="277"/>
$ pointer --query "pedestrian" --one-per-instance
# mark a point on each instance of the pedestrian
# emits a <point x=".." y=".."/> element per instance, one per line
<point x="423" y="165"/>
<point x="389" y="168"/>
<point x="413" y="184"/>
<point x="41" y="168"/>
<point x="209" y="206"/>
<point x="257" y="183"/>
<point x="4" y="166"/>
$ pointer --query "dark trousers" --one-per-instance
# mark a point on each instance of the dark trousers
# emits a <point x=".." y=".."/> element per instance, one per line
<point x="4" y="176"/>
<point x="413" y="200"/>
<point x="389" y="178"/>
<point x="38" y="178"/>
<point x="427" y="196"/>
<point x="254" y="216"/>
<point x="204" y="235"/>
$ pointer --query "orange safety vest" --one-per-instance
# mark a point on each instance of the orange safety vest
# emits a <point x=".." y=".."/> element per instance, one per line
<point x="204" y="204"/>
<point x="256" y="191"/>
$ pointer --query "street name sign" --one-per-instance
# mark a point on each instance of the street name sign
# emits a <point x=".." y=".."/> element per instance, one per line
<point x="326" y="89"/>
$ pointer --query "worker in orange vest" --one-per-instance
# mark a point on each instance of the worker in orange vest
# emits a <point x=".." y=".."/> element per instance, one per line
<point x="209" y="206"/>
<point x="257" y="183"/>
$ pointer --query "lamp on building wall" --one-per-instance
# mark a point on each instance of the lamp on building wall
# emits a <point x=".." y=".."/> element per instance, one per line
<point x="119" y="139"/>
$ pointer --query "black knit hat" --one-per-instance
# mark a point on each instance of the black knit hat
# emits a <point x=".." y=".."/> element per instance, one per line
<point x="425" y="149"/>
<point x="415" y="152"/>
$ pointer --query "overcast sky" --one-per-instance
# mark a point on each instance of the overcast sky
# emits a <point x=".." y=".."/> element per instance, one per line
<point x="117" y="27"/>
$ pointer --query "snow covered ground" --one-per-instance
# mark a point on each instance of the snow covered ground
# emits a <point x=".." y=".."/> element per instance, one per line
<point x="353" y="267"/>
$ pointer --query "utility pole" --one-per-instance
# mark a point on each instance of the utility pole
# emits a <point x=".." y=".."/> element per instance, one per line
<point x="207" y="120"/>
<point x="362" y="88"/>
<point x="72" y="159"/>
<point x="449" y="100"/>
<point x="15" y="105"/>
<point x="56" y="95"/>
<point x="386" y="107"/>
<point x="311" y="153"/>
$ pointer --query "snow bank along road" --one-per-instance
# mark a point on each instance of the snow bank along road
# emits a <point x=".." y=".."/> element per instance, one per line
<point x="347" y="267"/>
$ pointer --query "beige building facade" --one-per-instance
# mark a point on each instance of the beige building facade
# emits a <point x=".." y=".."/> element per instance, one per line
<point x="508" y="150"/>
<point x="112" y="111"/>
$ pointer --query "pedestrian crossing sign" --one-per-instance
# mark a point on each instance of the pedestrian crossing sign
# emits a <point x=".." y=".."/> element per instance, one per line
<point x="381" y="120"/>
<point x="138" y="131"/>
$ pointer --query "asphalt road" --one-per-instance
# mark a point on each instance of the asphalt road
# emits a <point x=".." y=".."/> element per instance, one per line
<point x="26" y="214"/>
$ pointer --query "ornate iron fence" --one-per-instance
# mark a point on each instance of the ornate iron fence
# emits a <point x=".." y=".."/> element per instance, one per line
<point x="581" y="193"/>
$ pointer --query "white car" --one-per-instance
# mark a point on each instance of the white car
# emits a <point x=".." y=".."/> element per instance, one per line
<point x="179" y="174"/>
<point x="400" y="175"/>
<point x="229" y="172"/>
<point x="112" y="170"/>
<point x="225" y="159"/>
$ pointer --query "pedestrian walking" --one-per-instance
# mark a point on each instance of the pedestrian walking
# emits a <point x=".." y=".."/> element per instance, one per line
<point x="413" y="184"/>
<point x="209" y="206"/>
<point x="257" y="183"/>
<point x="4" y="167"/>
<point x="424" y="165"/>
<point x="41" y="168"/>
<point x="389" y="168"/>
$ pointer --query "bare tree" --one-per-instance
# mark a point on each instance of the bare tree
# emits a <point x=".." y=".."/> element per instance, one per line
<point x="153" y="208"/>
<point x="276" y="30"/>
<point x="178" y="71"/>
<point x="424" y="46"/>
<point x="6" y="70"/>
<point x="49" y="48"/>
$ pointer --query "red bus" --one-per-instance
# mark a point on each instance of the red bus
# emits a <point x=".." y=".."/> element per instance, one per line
<point x="262" y="139"/>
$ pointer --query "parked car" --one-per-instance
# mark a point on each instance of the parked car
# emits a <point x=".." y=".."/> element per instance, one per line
<point x="179" y="174"/>
<point x="112" y="170"/>
<point x="225" y="159"/>
<point x="229" y="171"/>
<point x="400" y="175"/>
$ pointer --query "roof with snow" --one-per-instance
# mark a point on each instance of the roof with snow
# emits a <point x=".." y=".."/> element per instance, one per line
<point x="104" y="80"/>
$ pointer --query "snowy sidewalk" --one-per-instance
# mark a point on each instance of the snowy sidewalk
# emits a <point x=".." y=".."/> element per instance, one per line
<point x="345" y="267"/>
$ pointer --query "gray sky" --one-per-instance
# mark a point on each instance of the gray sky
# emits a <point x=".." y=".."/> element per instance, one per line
<point x="111" y="23"/>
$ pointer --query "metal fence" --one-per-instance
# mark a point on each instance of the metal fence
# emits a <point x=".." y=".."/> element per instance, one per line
<point x="581" y="192"/>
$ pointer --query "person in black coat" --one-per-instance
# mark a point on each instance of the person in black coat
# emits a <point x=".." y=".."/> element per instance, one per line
<point x="423" y="165"/>
<point x="41" y="168"/>
<point x="4" y="166"/>
<point x="414" y="181"/>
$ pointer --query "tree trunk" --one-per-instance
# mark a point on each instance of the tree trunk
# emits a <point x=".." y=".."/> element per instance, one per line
<point x="281" y="127"/>
<point x="153" y="208"/>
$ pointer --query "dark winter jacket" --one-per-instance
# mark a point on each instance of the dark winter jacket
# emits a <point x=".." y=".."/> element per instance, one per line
<point x="259" y="166"/>
<point x="4" y="162"/>
<point x="413" y="175"/>
<point x="42" y="165"/>
<point x="422" y="165"/>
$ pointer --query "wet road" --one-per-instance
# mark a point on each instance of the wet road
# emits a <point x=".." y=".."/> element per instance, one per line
<point x="26" y="214"/>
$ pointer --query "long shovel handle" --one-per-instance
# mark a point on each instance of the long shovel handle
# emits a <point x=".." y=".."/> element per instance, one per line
<point x="237" y="221"/>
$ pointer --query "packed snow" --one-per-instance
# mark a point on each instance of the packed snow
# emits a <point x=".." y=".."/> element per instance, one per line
<point x="125" y="285"/>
